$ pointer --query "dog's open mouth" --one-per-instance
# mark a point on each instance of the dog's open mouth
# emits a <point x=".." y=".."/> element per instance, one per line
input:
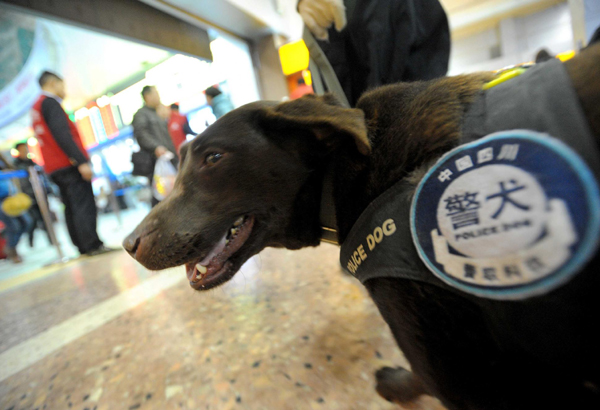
<point x="216" y="267"/>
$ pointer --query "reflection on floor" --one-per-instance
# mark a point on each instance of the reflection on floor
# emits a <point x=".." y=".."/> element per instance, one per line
<point x="290" y="331"/>
<point x="110" y="229"/>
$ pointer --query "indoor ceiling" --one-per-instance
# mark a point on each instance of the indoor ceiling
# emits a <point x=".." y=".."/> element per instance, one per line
<point x="468" y="17"/>
<point x="95" y="63"/>
<point x="251" y="17"/>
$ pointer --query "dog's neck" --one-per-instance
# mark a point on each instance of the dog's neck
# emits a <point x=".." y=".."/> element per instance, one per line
<point x="409" y="125"/>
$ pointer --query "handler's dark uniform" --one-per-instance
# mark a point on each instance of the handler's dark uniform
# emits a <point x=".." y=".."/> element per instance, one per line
<point x="388" y="41"/>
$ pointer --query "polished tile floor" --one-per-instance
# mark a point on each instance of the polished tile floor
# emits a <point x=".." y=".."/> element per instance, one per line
<point x="111" y="229"/>
<point x="289" y="332"/>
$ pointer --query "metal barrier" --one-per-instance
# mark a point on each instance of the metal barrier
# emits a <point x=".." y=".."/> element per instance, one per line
<point x="40" y="197"/>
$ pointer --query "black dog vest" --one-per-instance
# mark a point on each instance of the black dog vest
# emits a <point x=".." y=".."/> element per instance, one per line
<point x="508" y="214"/>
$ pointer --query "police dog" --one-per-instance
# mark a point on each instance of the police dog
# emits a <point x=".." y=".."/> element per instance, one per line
<point x="254" y="179"/>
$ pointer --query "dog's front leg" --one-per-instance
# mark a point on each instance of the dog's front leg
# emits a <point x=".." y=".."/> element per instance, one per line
<point x="399" y="385"/>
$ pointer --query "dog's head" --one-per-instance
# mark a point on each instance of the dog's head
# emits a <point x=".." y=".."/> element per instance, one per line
<point x="251" y="180"/>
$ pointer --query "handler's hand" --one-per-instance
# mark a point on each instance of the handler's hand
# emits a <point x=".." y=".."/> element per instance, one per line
<point x="318" y="15"/>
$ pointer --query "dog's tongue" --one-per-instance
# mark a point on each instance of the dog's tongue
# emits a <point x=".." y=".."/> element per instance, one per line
<point x="215" y="260"/>
<point x="215" y="251"/>
<point x="217" y="257"/>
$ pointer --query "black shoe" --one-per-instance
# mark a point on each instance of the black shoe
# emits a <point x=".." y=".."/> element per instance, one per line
<point x="101" y="250"/>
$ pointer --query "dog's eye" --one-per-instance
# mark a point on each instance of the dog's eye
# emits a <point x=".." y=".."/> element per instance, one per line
<point x="213" y="158"/>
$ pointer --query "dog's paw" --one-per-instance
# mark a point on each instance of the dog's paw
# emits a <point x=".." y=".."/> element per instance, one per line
<point x="398" y="385"/>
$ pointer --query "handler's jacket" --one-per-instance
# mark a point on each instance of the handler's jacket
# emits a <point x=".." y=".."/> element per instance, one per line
<point x="57" y="135"/>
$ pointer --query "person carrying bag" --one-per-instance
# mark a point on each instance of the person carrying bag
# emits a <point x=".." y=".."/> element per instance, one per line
<point x="151" y="132"/>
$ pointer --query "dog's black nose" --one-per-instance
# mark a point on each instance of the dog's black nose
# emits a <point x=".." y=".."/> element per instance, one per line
<point x="131" y="243"/>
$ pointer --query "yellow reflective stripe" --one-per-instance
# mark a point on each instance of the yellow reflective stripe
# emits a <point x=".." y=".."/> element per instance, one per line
<point x="505" y="76"/>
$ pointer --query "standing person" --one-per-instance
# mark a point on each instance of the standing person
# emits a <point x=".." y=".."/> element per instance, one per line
<point x="179" y="127"/>
<point x="23" y="162"/>
<point x="14" y="226"/>
<point x="219" y="102"/>
<point x="150" y="130"/>
<point x="378" y="42"/>
<point x="67" y="164"/>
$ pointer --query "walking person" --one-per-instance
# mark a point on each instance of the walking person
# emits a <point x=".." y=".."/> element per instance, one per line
<point x="67" y="164"/>
<point x="151" y="131"/>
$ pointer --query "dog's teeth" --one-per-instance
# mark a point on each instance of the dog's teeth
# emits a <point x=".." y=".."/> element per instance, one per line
<point x="234" y="231"/>
<point x="239" y="221"/>
<point x="201" y="269"/>
<point x="227" y="242"/>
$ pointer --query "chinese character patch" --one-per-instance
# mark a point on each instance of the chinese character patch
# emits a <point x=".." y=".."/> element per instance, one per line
<point x="509" y="216"/>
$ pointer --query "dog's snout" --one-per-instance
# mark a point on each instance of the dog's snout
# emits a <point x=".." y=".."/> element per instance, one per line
<point x="131" y="243"/>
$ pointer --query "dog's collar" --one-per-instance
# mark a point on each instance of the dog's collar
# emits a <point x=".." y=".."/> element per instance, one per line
<point x="329" y="230"/>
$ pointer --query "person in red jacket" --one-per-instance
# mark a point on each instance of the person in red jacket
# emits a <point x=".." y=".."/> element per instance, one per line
<point x="179" y="127"/>
<point x="67" y="163"/>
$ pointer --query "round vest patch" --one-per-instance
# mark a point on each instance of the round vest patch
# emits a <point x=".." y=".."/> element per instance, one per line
<point x="509" y="216"/>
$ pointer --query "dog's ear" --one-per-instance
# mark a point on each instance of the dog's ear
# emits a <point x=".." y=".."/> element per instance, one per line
<point x="324" y="117"/>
